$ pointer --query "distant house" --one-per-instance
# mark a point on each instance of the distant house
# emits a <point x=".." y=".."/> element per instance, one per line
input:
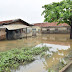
<point x="53" y="28"/>
<point x="13" y="29"/>
<point x="36" y="30"/>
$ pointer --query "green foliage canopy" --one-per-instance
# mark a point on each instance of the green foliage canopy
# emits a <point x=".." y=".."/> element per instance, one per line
<point x="60" y="12"/>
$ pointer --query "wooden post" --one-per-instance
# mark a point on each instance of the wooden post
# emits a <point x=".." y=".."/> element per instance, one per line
<point x="26" y="32"/>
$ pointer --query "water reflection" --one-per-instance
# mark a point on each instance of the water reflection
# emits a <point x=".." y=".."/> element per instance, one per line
<point x="60" y="39"/>
<point x="36" y="66"/>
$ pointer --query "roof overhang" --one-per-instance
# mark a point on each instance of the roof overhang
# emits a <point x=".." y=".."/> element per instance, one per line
<point x="15" y="26"/>
<point x="2" y="27"/>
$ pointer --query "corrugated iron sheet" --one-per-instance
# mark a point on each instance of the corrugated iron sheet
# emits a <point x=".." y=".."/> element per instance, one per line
<point x="15" y="26"/>
<point x="2" y="27"/>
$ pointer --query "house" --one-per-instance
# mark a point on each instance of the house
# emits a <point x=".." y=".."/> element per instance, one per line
<point x="13" y="29"/>
<point x="36" y="30"/>
<point x="53" y="28"/>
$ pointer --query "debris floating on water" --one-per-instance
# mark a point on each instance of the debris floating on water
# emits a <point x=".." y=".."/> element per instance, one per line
<point x="54" y="48"/>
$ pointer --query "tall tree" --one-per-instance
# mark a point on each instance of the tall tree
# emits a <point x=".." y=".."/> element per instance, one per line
<point x="60" y="12"/>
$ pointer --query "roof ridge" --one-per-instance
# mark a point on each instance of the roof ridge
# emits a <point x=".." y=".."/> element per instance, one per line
<point x="50" y="24"/>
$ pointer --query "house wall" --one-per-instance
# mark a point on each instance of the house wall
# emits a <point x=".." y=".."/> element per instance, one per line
<point x="23" y="33"/>
<point x="56" y="30"/>
<point x="11" y="34"/>
<point x="16" y="34"/>
<point x="2" y="34"/>
<point x="29" y="31"/>
<point x="36" y="30"/>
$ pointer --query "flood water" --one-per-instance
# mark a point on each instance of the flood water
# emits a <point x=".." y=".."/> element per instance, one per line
<point x="60" y="39"/>
<point x="60" y="43"/>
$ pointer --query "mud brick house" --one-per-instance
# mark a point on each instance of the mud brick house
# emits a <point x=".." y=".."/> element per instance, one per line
<point x="53" y="28"/>
<point x="13" y="29"/>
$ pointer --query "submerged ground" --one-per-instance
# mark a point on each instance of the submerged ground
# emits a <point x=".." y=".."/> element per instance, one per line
<point x="60" y="52"/>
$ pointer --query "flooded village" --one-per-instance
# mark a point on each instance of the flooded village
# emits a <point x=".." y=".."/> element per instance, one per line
<point x="16" y="29"/>
<point x="30" y="43"/>
<point x="18" y="34"/>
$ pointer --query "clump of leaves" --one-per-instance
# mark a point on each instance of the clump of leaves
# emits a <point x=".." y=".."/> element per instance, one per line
<point x="42" y="54"/>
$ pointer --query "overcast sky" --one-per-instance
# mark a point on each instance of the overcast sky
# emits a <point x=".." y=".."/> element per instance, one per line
<point x="28" y="10"/>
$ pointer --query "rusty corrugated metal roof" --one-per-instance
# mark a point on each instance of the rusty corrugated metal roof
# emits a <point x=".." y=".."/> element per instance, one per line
<point x="14" y="21"/>
<point x="1" y="22"/>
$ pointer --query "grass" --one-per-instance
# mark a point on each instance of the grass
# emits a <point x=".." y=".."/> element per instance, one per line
<point x="13" y="58"/>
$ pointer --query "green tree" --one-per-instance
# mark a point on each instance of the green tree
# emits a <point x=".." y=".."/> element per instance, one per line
<point x="60" y="12"/>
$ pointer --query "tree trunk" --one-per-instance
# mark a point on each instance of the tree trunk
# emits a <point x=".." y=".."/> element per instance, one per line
<point x="71" y="32"/>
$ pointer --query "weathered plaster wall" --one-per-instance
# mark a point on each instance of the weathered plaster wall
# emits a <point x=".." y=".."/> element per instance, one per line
<point x="2" y="34"/>
<point x="46" y="30"/>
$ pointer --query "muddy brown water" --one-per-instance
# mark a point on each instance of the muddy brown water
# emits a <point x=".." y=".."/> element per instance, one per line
<point x="41" y="64"/>
<point x="61" y="39"/>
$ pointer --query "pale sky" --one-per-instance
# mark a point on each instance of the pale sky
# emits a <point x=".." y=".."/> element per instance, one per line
<point x="28" y="10"/>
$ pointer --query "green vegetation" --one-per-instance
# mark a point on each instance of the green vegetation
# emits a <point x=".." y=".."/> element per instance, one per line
<point x="13" y="58"/>
<point x="42" y="54"/>
<point x="62" y="63"/>
<point x="60" y="12"/>
<point x="50" y="70"/>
